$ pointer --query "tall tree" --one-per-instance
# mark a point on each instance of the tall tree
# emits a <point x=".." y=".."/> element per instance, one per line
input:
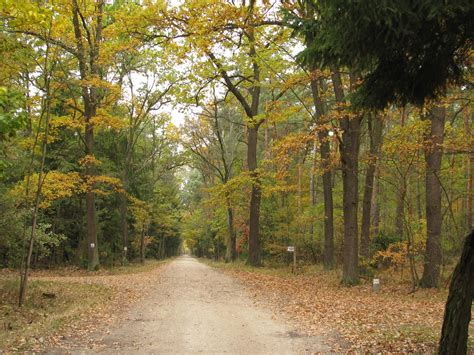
<point x="433" y="156"/>
<point x="375" y="129"/>
<point x="215" y="140"/>
<point x="238" y="33"/>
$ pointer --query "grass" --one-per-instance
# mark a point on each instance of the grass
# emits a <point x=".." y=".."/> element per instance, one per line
<point x="131" y="268"/>
<point x="22" y="328"/>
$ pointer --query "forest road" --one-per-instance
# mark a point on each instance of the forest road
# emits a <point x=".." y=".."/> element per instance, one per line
<point x="196" y="309"/>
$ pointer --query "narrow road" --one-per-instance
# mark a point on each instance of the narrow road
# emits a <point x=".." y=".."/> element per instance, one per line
<point x="196" y="309"/>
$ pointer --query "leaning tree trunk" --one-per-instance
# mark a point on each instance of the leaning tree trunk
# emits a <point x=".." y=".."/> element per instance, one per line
<point x="24" y="272"/>
<point x="457" y="315"/>
<point x="375" y="132"/>
<point x="254" y="258"/>
<point x="433" y="156"/>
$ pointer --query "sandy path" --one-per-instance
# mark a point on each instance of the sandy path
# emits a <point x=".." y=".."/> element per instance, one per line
<point x="195" y="309"/>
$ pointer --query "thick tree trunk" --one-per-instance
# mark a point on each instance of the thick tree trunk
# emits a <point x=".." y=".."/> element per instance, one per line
<point x="457" y="314"/>
<point x="433" y="156"/>
<point x="350" y="182"/>
<point x="349" y="148"/>
<point x="375" y="133"/>
<point x="254" y="258"/>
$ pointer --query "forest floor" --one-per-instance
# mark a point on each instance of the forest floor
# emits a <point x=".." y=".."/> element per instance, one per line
<point x="184" y="307"/>
<point x="393" y="320"/>
<point x="66" y="305"/>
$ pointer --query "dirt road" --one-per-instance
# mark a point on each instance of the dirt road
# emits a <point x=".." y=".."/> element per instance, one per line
<point x="193" y="308"/>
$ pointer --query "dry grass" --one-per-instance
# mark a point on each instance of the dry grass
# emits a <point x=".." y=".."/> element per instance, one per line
<point x="82" y="301"/>
<point x="27" y="327"/>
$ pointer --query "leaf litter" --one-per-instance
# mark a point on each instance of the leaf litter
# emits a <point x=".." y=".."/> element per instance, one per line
<point x="354" y="319"/>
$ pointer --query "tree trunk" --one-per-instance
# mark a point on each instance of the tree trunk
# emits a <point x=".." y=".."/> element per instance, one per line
<point x="470" y="170"/>
<point x="162" y="248"/>
<point x="87" y="62"/>
<point x="123" y="217"/>
<point x="457" y="314"/>
<point x="349" y="148"/>
<point x="93" y="250"/>
<point x="325" y="153"/>
<point x="350" y="182"/>
<point x="400" y="211"/>
<point x="47" y="105"/>
<point x="433" y="156"/>
<point x="328" y="252"/>
<point x="231" y="247"/>
<point x="142" y="245"/>
<point x="254" y="258"/>
<point x="375" y="136"/>
<point x="312" y="189"/>
<point x="375" y="209"/>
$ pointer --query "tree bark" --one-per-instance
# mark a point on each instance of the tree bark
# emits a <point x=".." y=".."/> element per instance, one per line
<point x="400" y="211"/>
<point x="375" y="209"/>
<point x="124" y="220"/>
<point x="457" y="314"/>
<point x="349" y="148"/>
<point x="375" y="136"/>
<point x="350" y="182"/>
<point x="87" y="61"/>
<point x="328" y="252"/>
<point x="93" y="250"/>
<point x="470" y="169"/>
<point x="231" y="247"/>
<point x="433" y="156"/>
<point x="254" y="258"/>
<point x="142" y="245"/>
<point x="34" y="222"/>
<point x="325" y="153"/>
<point x="251" y="108"/>
<point x="312" y="189"/>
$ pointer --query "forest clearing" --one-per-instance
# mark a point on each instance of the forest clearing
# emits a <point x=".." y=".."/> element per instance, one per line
<point x="313" y="157"/>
